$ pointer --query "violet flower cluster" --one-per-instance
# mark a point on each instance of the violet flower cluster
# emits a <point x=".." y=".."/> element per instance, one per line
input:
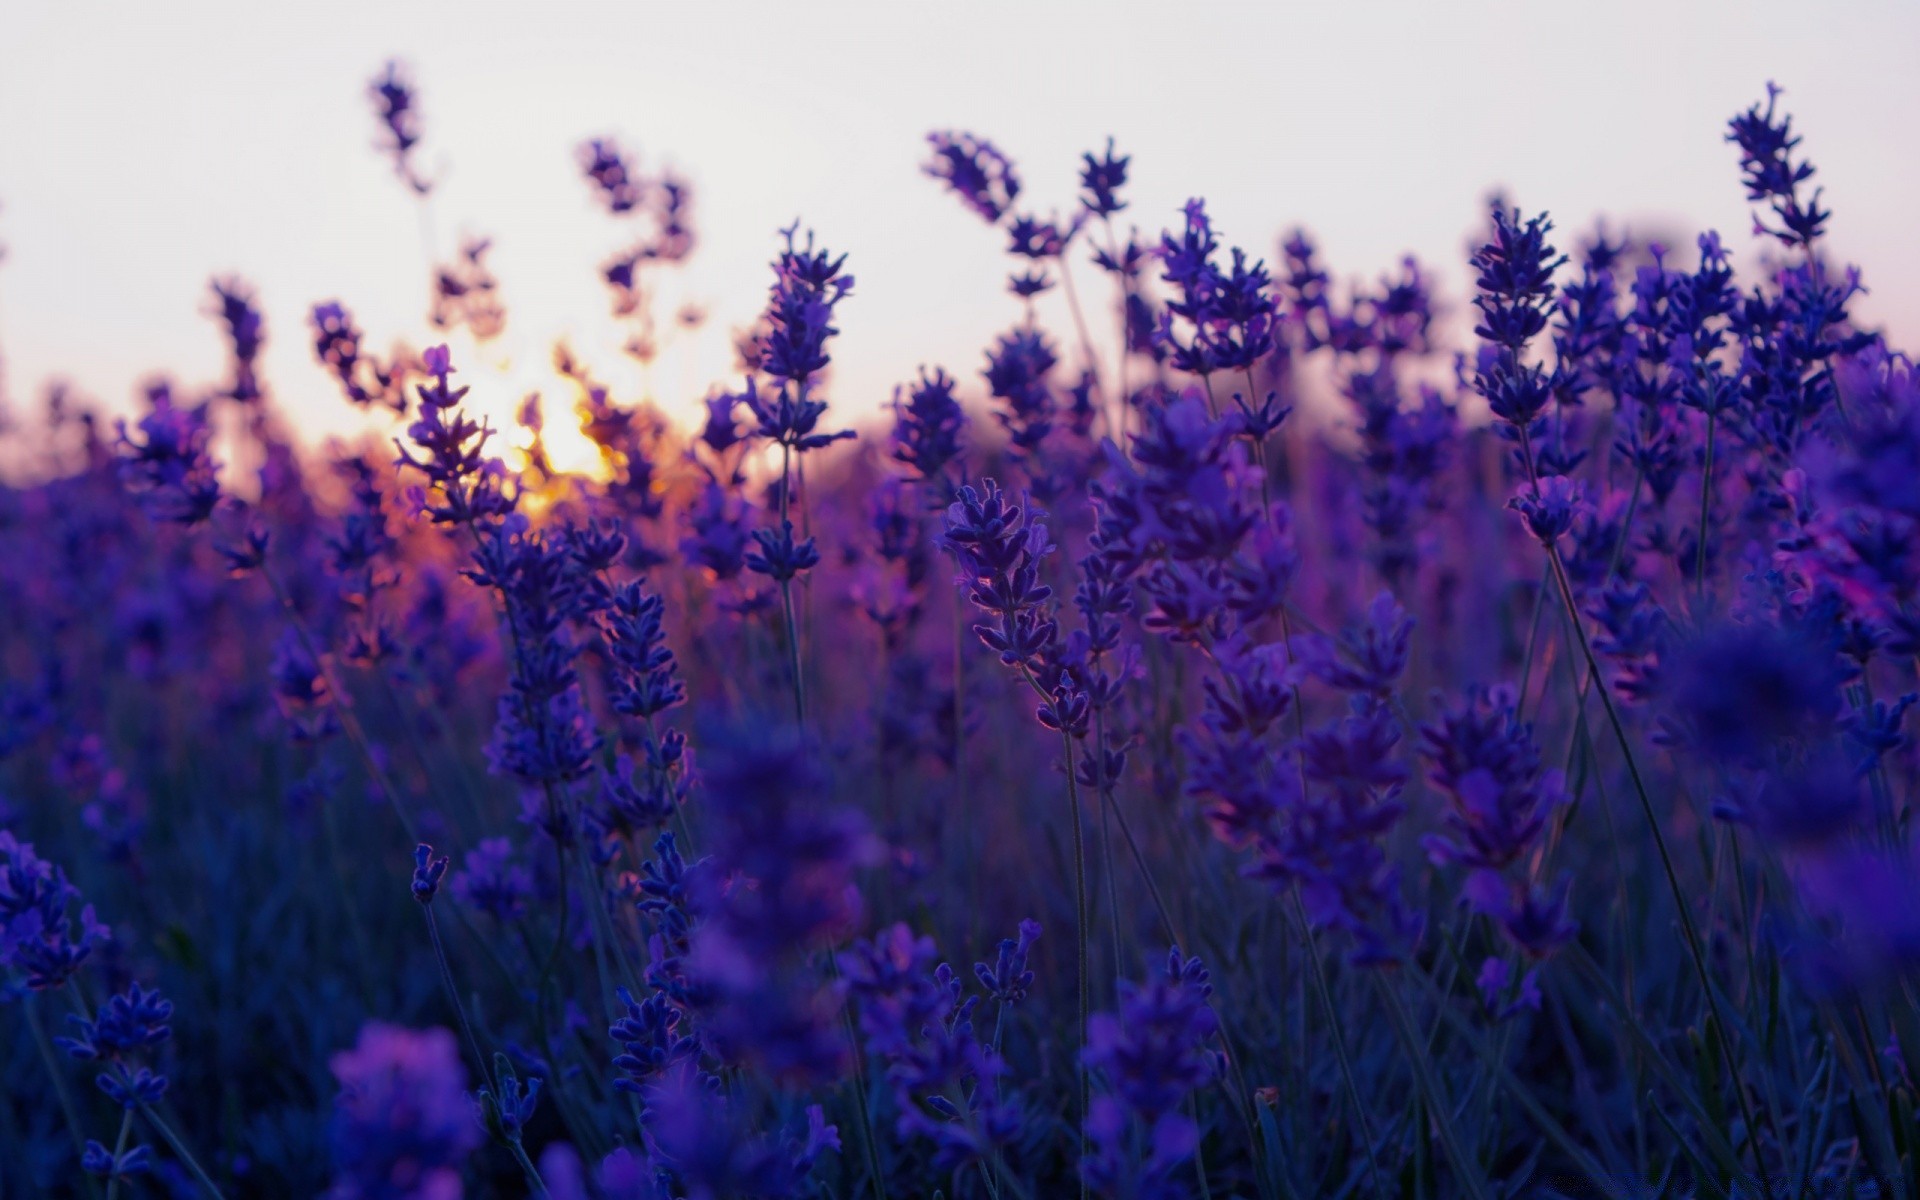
<point x="1509" y="721"/>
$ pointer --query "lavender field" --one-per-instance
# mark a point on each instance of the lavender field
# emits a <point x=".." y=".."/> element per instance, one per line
<point x="1240" y="733"/>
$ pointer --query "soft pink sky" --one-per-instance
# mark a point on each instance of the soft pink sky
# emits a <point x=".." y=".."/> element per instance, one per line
<point x="145" y="148"/>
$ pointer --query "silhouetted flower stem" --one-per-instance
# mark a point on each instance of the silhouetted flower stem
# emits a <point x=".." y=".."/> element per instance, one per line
<point x="1466" y="1171"/>
<point x="453" y="995"/>
<point x="60" y="1091"/>
<point x="1079" y="908"/>
<point x="869" y="1146"/>
<point x="180" y="1149"/>
<point x="1694" y="950"/>
<point x="1080" y="924"/>
<point x="1325" y="993"/>
<point x="348" y="720"/>
<point x="119" y="1148"/>
<point x="1706" y="505"/>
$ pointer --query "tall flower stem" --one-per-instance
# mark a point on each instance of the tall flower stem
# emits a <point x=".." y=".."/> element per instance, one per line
<point x="1080" y="913"/>
<point x="60" y="1091"/>
<point x="1080" y="930"/>
<point x="453" y="995"/>
<point x="1681" y="905"/>
<point x="180" y="1150"/>
<point x="1466" y="1170"/>
<point x="868" y="1144"/>
<point x="1080" y="322"/>
<point x="348" y="721"/>
<point x="1319" y="973"/>
<point x="1706" y="504"/>
<point x="786" y="597"/>
<point x="119" y="1148"/>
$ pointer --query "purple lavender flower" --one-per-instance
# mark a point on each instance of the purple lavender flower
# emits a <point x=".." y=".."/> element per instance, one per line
<point x="1101" y="180"/>
<point x="402" y="1125"/>
<point x="1551" y="508"/>
<point x="492" y="881"/>
<point x="451" y="452"/>
<point x="246" y="335"/>
<point x="1515" y="282"/>
<point x="926" y="432"/>
<point x="125" y="1029"/>
<point x="1368" y="658"/>
<point x="999" y="546"/>
<point x="976" y="171"/>
<point x="1773" y="176"/>
<point x="170" y="469"/>
<point x="1151" y="1054"/>
<point x="703" y="1139"/>
<point x="1017" y="375"/>
<point x="917" y="1021"/>
<point x="395" y="104"/>
<point x="780" y="887"/>
<point x="427" y="873"/>
<point x="615" y="183"/>
<point x="1008" y="979"/>
<point x="336" y="343"/>
<point x="39" y="938"/>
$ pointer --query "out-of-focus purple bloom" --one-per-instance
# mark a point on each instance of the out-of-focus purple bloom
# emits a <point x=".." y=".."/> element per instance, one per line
<point x="466" y="292"/>
<point x="1101" y="180"/>
<point x="1496" y="983"/>
<point x="916" y="1021"/>
<point x="721" y="531"/>
<point x="614" y="181"/>
<point x="1484" y="759"/>
<point x="246" y="334"/>
<point x="492" y="882"/>
<point x="976" y="171"/>
<point x="926" y="431"/>
<point x="170" y="468"/>
<point x="1369" y="657"/>
<point x="98" y="1160"/>
<point x="394" y="104"/>
<point x="780" y="887"/>
<point x="1152" y="1054"/>
<point x="336" y="343"/>
<point x="402" y="1126"/>
<point x="1017" y="375"/>
<point x="1741" y="693"/>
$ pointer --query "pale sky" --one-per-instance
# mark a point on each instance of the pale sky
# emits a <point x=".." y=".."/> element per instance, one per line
<point x="144" y="148"/>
